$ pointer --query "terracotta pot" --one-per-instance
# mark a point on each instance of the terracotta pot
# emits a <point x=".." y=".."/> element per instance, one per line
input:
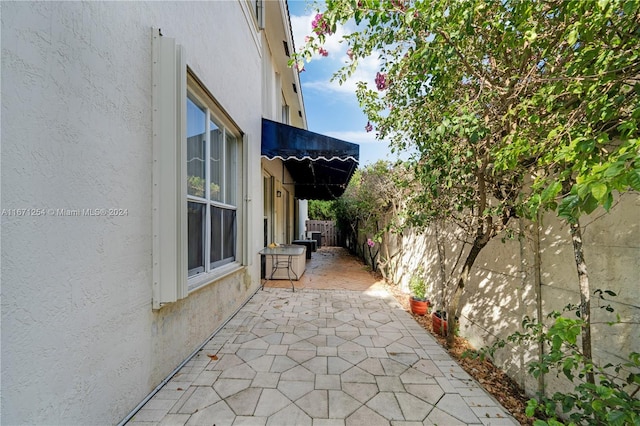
<point x="418" y="307"/>
<point x="439" y="322"/>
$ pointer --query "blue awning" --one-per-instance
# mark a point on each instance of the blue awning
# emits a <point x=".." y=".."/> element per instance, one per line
<point x="321" y="166"/>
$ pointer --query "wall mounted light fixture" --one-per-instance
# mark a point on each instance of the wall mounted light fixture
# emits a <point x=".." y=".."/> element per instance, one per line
<point x="278" y="194"/>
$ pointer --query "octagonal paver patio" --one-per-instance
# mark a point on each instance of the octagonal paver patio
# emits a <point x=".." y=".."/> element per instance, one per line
<point x="322" y="358"/>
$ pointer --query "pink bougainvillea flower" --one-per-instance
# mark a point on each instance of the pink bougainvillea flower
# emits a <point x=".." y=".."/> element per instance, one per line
<point x="323" y="51"/>
<point x="319" y="26"/>
<point x="350" y="54"/>
<point x="370" y="242"/>
<point x="368" y="127"/>
<point x="299" y="66"/>
<point x="399" y="4"/>
<point x="316" y="20"/>
<point x="381" y="81"/>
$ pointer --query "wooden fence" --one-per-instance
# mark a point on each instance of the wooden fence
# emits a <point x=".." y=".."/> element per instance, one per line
<point x="328" y="229"/>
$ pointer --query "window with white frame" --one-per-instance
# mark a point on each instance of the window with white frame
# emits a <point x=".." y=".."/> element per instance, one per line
<point x="258" y="12"/>
<point x="199" y="178"/>
<point x="212" y="168"/>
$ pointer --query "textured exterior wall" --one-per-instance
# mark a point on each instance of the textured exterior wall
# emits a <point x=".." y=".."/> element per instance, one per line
<point x="80" y="342"/>
<point x="280" y="174"/>
<point x="612" y="252"/>
<point x="503" y="290"/>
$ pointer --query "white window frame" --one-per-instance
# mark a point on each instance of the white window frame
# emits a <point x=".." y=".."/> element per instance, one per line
<point x="170" y="78"/>
<point x="286" y="117"/>
<point x="195" y="93"/>
<point x="257" y="12"/>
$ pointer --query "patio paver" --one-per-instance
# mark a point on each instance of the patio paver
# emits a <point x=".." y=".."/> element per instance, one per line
<point x="322" y="357"/>
<point x="360" y="382"/>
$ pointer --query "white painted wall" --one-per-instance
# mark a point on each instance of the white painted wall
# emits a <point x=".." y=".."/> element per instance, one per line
<point x="303" y="216"/>
<point x="281" y="176"/>
<point x="80" y="342"/>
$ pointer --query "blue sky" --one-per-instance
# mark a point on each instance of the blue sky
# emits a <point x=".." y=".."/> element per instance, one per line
<point x="332" y="109"/>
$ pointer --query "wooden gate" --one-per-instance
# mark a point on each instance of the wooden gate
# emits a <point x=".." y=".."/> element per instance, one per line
<point x="328" y="229"/>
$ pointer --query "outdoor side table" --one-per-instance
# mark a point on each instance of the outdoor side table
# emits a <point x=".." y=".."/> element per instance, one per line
<point x="286" y="258"/>
<point x="309" y="244"/>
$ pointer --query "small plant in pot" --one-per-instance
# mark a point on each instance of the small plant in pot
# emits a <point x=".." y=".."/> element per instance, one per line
<point x="418" y="301"/>
<point x="439" y="322"/>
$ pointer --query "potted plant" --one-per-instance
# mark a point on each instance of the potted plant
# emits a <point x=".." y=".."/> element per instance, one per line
<point x="418" y="301"/>
<point x="439" y="322"/>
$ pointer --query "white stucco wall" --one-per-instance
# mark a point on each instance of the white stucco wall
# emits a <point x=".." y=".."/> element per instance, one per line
<point x="281" y="176"/>
<point x="80" y="342"/>
<point x="303" y="216"/>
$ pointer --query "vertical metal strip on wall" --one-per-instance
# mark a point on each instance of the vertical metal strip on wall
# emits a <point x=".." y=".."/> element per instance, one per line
<point x="180" y="148"/>
<point x="247" y="231"/>
<point x="168" y="99"/>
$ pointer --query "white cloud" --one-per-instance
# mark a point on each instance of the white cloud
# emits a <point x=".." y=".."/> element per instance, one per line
<point x="360" y="138"/>
<point x="301" y="26"/>
<point x="371" y="149"/>
<point x="367" y="68"/>
<point x="366" y="72"/>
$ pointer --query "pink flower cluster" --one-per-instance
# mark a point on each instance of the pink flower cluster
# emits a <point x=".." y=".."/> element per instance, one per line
<point x="370" y="242"/>
<point x="350" y="54"/>
<point x="368" y="127"/>
<point x="399" y="4"/>
<point x="322" y="51"/>
<point x="381" y="81"/>
<point x="320" y="26"/>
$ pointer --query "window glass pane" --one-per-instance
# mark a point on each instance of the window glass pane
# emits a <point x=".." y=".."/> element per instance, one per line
<point x="208" y="220"/>
<point x="216" y="161"/>
<point x="223" y="236"/>
<point x="257" y="9"/>
<point x="229" y="247"/>
<point x="231" y="164"/>
<point x="216" y="234"/>
<point x="196" y="120"/>
<point x="196" y="231"/>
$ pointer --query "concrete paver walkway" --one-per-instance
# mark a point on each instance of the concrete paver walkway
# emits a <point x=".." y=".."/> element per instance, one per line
<point x="322" y="358"/>
<point x="333" y="268"/>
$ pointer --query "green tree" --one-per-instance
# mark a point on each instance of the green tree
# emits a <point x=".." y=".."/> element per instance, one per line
<point x="510" y="107"/>
<point x="372" y="200"/>
<point x="322" y="210"/>
<point x="582" y="110"/>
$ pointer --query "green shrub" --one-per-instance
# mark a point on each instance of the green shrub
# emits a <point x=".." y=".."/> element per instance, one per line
<point x="610" y="401"/>
<point x="418" y="287"/>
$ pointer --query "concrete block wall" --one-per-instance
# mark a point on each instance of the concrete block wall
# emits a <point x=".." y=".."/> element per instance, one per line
<point x="502" y="290"/>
